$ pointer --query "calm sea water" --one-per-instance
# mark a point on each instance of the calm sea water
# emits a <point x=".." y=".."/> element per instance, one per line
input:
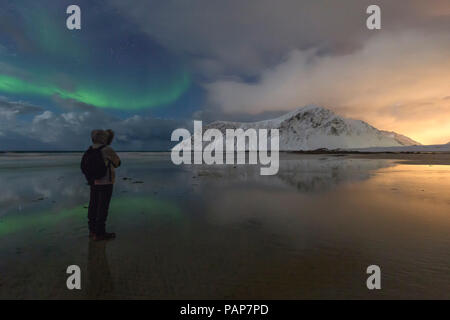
<point x="213" y="232"/>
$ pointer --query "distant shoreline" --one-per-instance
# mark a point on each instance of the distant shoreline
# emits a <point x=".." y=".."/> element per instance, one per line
<point x="404" y="157"/>
<point x="318" y="151"/>
<point x="365" y="152"/>
<point x="74" y="151"/>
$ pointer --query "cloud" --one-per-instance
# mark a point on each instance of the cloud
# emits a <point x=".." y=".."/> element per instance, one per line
<point x="11" y="118"/>
<point x="71" y="131"/>
<point x="395" y="81"/>
<point x="70" y="105"/>
<point x="69" y="128"/>
<point x="10" y="109"/>
<point x="235" y="36"/>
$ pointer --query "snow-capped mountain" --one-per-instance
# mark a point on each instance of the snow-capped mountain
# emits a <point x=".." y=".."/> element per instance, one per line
<point x="313" y="127"/>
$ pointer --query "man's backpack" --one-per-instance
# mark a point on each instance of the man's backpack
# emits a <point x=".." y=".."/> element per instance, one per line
<point x="92" y="164"/>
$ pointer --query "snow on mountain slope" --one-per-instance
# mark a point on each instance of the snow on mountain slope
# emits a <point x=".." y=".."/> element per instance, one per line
<point x="313" y="127"/>
<point x="403" y="140"/>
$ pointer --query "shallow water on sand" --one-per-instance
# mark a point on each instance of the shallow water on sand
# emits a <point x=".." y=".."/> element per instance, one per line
<point x="212" y="232"/>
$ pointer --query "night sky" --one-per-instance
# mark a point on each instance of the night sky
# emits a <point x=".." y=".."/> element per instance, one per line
<point x="108" y="64"/>
<point x="147" y="67"/>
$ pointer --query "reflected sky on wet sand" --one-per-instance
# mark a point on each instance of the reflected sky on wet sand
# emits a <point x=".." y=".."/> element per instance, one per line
<point x="199" y="232"/>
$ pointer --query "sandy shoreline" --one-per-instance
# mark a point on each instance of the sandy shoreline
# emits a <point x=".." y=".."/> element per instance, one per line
<point x="432" y="158"/>
<point x="408" y="158"/>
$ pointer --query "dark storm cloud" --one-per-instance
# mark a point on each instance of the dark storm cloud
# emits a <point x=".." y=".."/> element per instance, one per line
<point x="243" y="36"/>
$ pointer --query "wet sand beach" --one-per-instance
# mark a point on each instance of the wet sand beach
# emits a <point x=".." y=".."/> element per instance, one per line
<point x="226" y="232"/>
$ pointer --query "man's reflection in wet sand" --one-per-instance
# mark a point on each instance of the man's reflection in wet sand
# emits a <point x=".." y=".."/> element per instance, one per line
<point x="100" y="285"/>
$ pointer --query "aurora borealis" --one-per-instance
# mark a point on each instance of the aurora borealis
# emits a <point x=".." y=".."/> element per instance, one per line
<point x="105" y="65"/>
<point x="103" y="98"/>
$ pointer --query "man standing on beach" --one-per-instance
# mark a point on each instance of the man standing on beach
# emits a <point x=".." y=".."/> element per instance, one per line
<point x="98" y="165"/>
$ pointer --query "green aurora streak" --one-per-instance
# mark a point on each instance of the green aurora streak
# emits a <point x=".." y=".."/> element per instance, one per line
<point x="98" y="97"/>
